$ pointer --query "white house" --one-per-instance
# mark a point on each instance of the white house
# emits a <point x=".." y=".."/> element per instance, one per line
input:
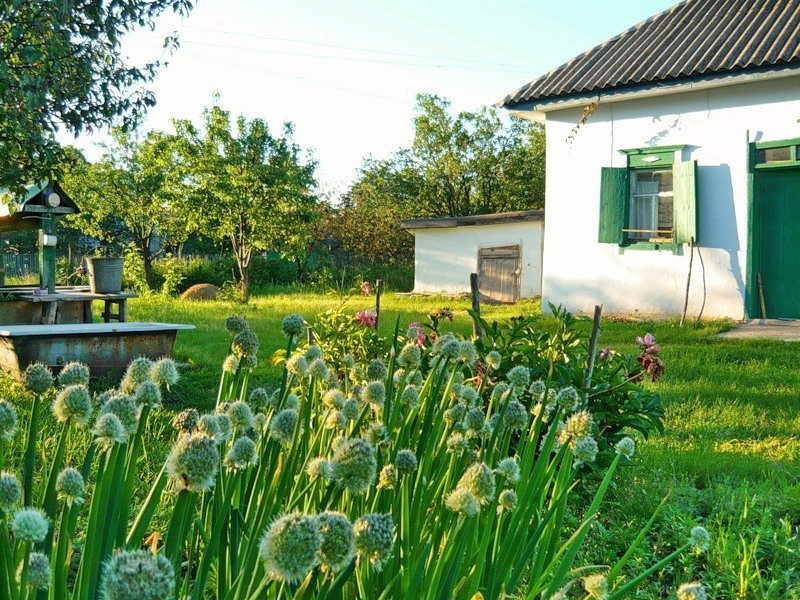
<point x="684" y="128"/>
<point x="504" y="249"/>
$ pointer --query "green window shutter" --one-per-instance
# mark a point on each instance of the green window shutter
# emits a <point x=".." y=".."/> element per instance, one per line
<point x="684" y="215"/>
<point x="614" y="185"/>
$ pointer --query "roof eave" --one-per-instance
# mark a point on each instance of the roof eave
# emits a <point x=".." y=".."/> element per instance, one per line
<point x="536" y="110"/>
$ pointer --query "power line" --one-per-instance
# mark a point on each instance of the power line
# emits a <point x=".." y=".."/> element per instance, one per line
<point x="348" y="58"/>
<point x="350" y="48"/>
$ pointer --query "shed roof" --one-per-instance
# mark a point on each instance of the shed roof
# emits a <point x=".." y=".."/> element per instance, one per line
<point x="492" y="219"/>
<point x="693" y="38"/>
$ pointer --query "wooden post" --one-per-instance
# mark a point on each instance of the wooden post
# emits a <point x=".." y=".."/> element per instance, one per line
<point x="47" y="255"/>
<point x="476" y="304"/>
<point x="310" y="336"/>
<point x="587" y="376"/>
<point x="2" y="259"/>
<point x="378" y="289"/>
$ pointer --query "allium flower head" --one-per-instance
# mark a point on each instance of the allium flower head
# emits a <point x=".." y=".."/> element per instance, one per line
<point x="374" y="394"/>
<point x="37" y="378"/>
<point x="462" y="501"/>
<point x="388" y="477"/>
<point x="245" y="343"/>
<point x="457" y="443"/>
<point x="468" y="353"/>
<point x="240" y="415"/>
<point x="186" y="421"/>
<point x="164" y="372"/>
<point x="538" y="389"/>
<point x="455" y="414"/>
<point x="320" y="467"/>
<point x="333" y="398"/>
<point x="70" y="485"/>
<point x="700" y="538"/>
<point x="293" y="325"/>
<point x="410" y="397"/>
<point x="507" y="500"/>
<point x="235" y="324"/>
<point x="354" y="465"/>
<point x="596" y="586"/>
<point x="348" y="361"/>
<point x="451" y="350"/>
<point x="479" y="479"/>
<point x="317" y="368"/>
<point x="259" y="398"/>
<point x="8" y="420"/>
<point x="292" y="401"/>
<point x="692" y="591"/>
<point x="73" y="373"/>
<point x="148" y="394"/>
<point x="242" y="454"/>
<point x="406" y="461"/>
<point x="29" y="524"/>
<point x="73" y="402"/>
<point x="474" y="419"/>
<point x="137" y="575"/>
<point x="374" y="538"/>
<point x="260" y="420"/>
<point x="209" y="425"/>
<point x="126" y="410"/>
<point x="515" y="416"/>
<point x="38" y="571"/>
<point x="10" y="492"/>
<point x="138" y="372"/>
<point x="313" y="352"/>
<point x="350" y="409"/>
<point x="626" y="447"/>
<point x="508" y="469"/>
<point x="568" y="399"/>
<point x="225" y="428"/>
<point x="335" y="420"/>
<point x="519" y="377"/>
<point x="231" y="364"/>
<point x="290" y="548"/>
<point x="377" y="434"/>
<point x="376" y="370"/>
<point x="577" y="425"/>
<point x="584" y="449"/>
<point x="469" y="396"/>
<point x="337" y="548"/>
<point x="192" y="462"/>
<point x="410" y="356"/>
<point x="494" y="360"/>
<point x="282" y="425"/>
<point x="109" y="430"/>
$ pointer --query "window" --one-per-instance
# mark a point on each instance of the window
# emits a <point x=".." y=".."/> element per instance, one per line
<point x="650" y="203"/>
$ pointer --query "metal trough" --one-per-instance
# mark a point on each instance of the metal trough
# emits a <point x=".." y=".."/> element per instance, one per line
<point x="106" y="348"/>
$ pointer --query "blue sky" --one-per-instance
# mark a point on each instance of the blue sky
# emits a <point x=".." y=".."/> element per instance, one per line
<point x="346" y="71"/>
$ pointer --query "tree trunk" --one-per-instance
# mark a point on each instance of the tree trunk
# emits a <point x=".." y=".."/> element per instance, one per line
<point x="147" y="259"/>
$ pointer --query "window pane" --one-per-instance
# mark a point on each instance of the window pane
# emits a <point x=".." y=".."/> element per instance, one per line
<point x="650" y="216"/>
<point x="770" y="155"/>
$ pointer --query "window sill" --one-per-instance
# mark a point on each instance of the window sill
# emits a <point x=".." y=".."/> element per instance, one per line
<point x="671" y="246"/>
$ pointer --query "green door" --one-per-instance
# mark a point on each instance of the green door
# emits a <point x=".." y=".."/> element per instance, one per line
<point x="777" y="201"/>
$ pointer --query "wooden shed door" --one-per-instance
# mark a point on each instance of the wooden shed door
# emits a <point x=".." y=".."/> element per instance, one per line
<point x="498" y="273"/>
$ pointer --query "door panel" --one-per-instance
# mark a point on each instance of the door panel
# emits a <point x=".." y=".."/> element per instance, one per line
<point x="778" y="203"/>
<point x="498" y="273"/>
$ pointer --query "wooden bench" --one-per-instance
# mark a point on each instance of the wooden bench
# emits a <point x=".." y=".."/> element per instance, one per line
<point x="52" y="303"/>
<point x="106" y="348"/>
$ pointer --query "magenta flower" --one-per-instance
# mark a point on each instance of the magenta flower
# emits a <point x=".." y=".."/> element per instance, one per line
<point x="648" y="344"/>
<point x="605" y="353"/>
<point x="416" y="331"/>
<point x="367" y="318"/>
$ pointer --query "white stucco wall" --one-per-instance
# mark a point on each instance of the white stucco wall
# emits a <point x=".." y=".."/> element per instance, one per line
<point x="715" y="125"/>
<point x="445" y="257"/>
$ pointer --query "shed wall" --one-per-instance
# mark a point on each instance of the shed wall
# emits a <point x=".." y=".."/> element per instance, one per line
<point x="445" y="257"/>
<point x="716" y="126"/>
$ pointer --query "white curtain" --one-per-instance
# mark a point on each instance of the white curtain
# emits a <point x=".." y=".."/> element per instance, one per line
<point x="644" y="209"/>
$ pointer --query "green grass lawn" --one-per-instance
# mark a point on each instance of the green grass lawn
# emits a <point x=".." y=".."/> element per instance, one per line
<point x="730" y="456"/>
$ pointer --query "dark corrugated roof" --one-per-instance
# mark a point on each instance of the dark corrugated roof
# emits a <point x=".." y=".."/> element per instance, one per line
<point x="493" y="219"/>
<point x="695" y="37"/>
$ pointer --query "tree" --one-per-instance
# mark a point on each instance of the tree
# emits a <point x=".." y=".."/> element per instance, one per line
<point x="61" y="66"/>
<point x="249" y="186"/>
<point x="134" y="192"/>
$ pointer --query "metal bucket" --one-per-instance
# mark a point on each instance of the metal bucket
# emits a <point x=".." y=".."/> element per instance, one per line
<point x="105" y="275"/>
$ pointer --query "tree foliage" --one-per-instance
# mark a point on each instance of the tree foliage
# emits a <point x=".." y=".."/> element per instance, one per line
<point x="248" y="186"/>
<point x="134" y="193"/>
<point x="61" y="66"/>
<point x="458" y="164"/>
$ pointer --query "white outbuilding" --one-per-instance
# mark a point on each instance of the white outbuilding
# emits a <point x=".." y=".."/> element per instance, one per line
<point x="674" y="148"/>
<point x="504" y="249"/>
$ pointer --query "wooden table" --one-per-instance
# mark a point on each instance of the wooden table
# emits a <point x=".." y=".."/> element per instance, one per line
<point x="51" y="304"/>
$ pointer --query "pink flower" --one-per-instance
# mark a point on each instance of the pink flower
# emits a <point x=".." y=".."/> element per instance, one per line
<point x="416" y="331"/>
<point x="605" y="353"/>
<point x="648" y="344"/>
<point x="367" y="318"/>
